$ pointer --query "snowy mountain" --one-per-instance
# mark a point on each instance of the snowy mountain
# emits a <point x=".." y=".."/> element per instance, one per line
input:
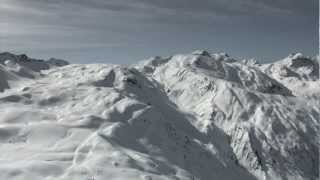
<point x="297" y="72"/>
<point x="21" y="67"/>
<point x="198" y="116"/>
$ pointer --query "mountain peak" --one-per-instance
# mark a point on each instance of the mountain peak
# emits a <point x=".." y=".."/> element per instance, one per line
<point x="188" y="116"/>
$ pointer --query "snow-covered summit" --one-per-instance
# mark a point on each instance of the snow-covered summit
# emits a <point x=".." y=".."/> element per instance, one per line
<point x="213" y="68"/>
<point x="21" y="67"/>
<point x="244" y="101"/>
<point x="297" y="72"/>
<point x="30" y="63"/>
<point x="295" y="66"/>
<point x="188" y="117"/>
<point x="216" y="56"/>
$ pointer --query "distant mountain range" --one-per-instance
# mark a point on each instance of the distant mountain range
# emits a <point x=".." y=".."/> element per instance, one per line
<point x="197" y="116"/>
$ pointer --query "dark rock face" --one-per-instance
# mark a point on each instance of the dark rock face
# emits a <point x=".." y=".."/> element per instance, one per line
<point x="3" y="81"/>
<point x="308" y="67"/>
<point x="57" y="62"/>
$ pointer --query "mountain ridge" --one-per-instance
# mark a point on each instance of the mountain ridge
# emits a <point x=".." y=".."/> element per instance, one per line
<point x="189" y="116"/>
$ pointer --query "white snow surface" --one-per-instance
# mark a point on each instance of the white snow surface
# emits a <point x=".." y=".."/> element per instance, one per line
<point x="197" y="116"/>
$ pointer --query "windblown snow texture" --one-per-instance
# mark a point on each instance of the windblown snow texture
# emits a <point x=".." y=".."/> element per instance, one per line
<point x="198" y="116"/>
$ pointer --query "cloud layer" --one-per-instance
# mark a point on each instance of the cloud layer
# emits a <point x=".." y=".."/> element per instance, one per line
<point x="48" y="26"/>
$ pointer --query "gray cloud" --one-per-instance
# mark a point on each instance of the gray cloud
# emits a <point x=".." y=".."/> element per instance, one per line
<point x="220" y="7"/>
<point x="37" y="25"/>
<point x="239" y="6"/>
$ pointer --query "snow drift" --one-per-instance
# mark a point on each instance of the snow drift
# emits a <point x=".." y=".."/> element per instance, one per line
<point x="194" y="116"/>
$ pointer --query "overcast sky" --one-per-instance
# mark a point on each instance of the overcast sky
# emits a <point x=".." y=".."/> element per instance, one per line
<point x="125" y="31"/>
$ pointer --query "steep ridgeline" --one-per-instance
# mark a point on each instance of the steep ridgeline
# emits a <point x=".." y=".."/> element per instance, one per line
<point x="198" y="116"/>
<point x="272" y="133"/>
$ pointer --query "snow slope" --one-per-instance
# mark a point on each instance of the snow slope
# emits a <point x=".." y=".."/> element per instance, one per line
<point x="196" y="116"/>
